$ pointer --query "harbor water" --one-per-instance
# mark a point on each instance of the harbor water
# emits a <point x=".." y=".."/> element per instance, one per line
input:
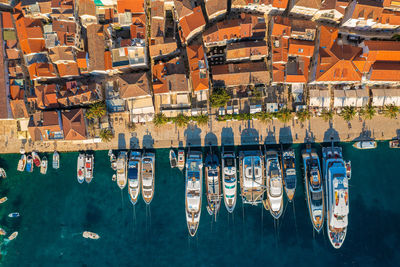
<point x="55" y="209"/>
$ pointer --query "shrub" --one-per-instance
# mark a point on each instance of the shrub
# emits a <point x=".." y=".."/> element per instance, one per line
<point x="219" y="98"/>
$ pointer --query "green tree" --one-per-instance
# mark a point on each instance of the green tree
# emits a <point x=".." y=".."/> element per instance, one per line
<point x="303" y="115"/>
<point x="391" y="111"/>
<point x="181" y="120"/>
<point x="367" y="112"/>
<point x="219" y="98"/>
<point x="160" y="119"/>
<point x="106" y="135"/>
<point x="96" y="110"/>
<point x="284" y="115"/>
<point x="348" y="113"/>
<point x="264" y="117"/>
<point x="201" y="119"/>
<point x="326" y="115"/>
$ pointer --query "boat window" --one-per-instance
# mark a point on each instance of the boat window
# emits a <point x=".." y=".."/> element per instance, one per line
<point x="228" y="162"/>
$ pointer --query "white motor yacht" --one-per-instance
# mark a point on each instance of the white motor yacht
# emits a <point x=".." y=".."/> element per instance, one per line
<point x="229" y="179"/>
<point x="274" y="183"/>
<point x="193" y="190"/>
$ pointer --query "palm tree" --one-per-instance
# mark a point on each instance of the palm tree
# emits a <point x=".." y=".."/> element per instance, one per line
<point x="348" y="113"/>
<point x="303" y="115"/>
<point x="96" y="110"/>
<point x="327" y="115"/>
<point x="106" y="135"/>
<point x="284" y="115"/>
<point x="201" y="119"/>
<point x="264" y="117"/>
<point x="391" y="111"/>
<point x="181" y="120"/>
<point x="160" y="119"/>
<point x="368" y="112"/>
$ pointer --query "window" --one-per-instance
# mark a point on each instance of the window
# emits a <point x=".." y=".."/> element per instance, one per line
<point x="301" y="50"/>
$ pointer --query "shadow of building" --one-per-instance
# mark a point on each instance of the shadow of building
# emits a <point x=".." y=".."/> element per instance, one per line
<point x="285" y="135"/>
<point x="121" y="141"/>
<point x="192" y="135"/>
<point x="227" y="136"/>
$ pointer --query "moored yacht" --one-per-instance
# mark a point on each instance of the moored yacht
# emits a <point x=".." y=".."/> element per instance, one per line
<point x="80" y="168"/>
<point x="229" y="179"/>
<point x="274" y="183"/>
<point x="121" y="169"/>
<point x="193" y="190"/>
<point x="337" y="195"/>
<point x="89" y="166"/>
<point x="252" y="182"/>
<point x="36" y="159"/>
<point x="172" y="158"/>
<point x="148" y="176"/>
<point x="213" y="187"/>
<point x="289" y="173"/>
<point x="181" y="159"/>
<point x="22" y="163"/>
<point x="314" y="187"/>
<point x="43" y="165"/>
<point x="29" y="163"/>
<point x="134" y="168"/>
<point x="56" y="160"/>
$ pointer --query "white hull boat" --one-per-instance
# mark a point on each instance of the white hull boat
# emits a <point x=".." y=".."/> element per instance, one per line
<point x="134" y="171"/>
<point x="193" y="190"/>
<point x="274" y="183"/>
<point x="148" y="177"/>
<point x="56" y="160"/>
<point x="181" y="159"/>
<point x="89" y="167"/>
<point x="22" y="163"/>
<point x="80" y="168"/>
<point x="121" y="169"/>
<point x="43" y="165"/>
<point x="229" y="179"/>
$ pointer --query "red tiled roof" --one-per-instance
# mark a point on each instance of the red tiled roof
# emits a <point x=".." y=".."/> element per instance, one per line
<point x="191" y="22"/>
<point x="68" y="69"/>
<point x="6" y="19"/>
<point x="74" y="124"/>
<point x="136" y="6"/>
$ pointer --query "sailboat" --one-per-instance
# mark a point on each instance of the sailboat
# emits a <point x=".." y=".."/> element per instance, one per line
<point x="252" y="182"/>
<point x="314" y="188"/>
<point x="80" y="168"/>
<point x="22" y="163"/>
<point x="121" y="169"/>
<point x="193" y="190"/>
<point x="29" y="163"/>
<point x="3" y="173"/>
<point x="289" y="173"/>
<point x="56" y="160"/>
<point x="229" y="179"/>
<point x="43" y="165"/>
<point x="337" y="195"/>
<point x="148" y="176"/>
<point x="36" y="159"/>
<point x="181" y="159"/>
<point x="274" y="183"/>
<point x="89" y="167"/>
<point x="213" y="187"/>
<point x="135" y="159"/>
<point x="172" y="158"/>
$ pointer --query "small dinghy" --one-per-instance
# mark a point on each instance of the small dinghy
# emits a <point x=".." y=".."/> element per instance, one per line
<point x="36" y="159"/>
<point x="2" y="232"/>
<point x="13" y="236"/>
<point x="90" y="235"/>
<point x="22" y="163"/>
<point x="3" y="199"/>
<point x="348" y="169"/>
<point x="29" y="163"/>
<point x="13" y="215"/>
<point x="43" y="165"/>
<point x="56" y="160"/>
<point x="3" y="173"/>
<point x="114" y="177"/>
<point x="172" y="158"/>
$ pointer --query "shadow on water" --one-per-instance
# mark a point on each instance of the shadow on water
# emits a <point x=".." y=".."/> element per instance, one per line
<point x="285" y="135"/>
<point x="192" y="135"/>
<point x="331" y="134"/>
<point x="148" y="141"/>
<point x="121" y="141"/>
<point x="210" y="139"/>
<point x="227" y="136"/>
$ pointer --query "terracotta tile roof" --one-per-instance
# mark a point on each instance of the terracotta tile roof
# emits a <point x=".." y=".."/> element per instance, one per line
<point x="18" y="109"/>
<point x="214" y="7"/>
<point x="367" y="9"/>
<point x="6" y="20"/>
<point x="41" y="70"/>
<point x="86" y="7"/>
<point x="240" y="74"/>
<point x="191" y="23"/>
<point x="136" y="6"/>
<point x="301" y="48"/>
<point x="246" y="49"/>
<point x="278" y="72"/>
<point x="96" y="47"/>
<point x="138" y="27"/>
<point x="68" y="69"/>
<point x="157" y="20"/>
<point x="74" y="126"/>
<point x="183" y="7"/>
<point x="61" y="53"/>
<point x="133" y="85"/>
<point x="385" y="71"/>
<point x="12" y="53"/>
<point x="82" y="62"/>
<point x="315" y="4"/>
<point x="29" y="46"/>
<point x="163" y="49"/>
<point x="169" y="77"/>
<point x="383" y="50"/>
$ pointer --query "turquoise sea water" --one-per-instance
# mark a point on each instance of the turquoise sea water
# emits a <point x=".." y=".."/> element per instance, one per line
<point x="55" y="210"/>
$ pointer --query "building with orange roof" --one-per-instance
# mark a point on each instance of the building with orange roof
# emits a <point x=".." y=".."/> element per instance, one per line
<point x="264" y="6"/>
<point x="191" y="24"/>
<point x="304" y="7"/>
<point x="86" y="12"/>
<point x="331" y="11"/>
<point x="136" y="7"/>
<point x="96" y="49"/>
<point x="170" y="87"/>
<point x="46" y="125"/>
<point x="216" y="8"/>
<point x="6" y="19"/>
<point x="62" y="10"/>
<point x="244" y="51"/>
<point x="198" y="69"/>
<point x="246" y="26"/>
<point x="337" y="62"/>
<point x="39" y="9"/>
<point x="67" y="69"/>
<point x="73" y="124"/>
<point x="40" y="70"/>
<point x="18" y="109"/>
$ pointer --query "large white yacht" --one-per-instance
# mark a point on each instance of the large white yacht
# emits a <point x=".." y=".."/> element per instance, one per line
<point x="314" y="187"/>
<point x="337" y="195"/>
<point x="135" y="159"/>
<point x="213" y="186"/>
<point x="274" y="183"/>
<point x="252" y="182"/>
<point x="229" y="179"/>
<point x="121" y="169"/>
<point x="193" y="191"/>
<point x="148" y="181"/>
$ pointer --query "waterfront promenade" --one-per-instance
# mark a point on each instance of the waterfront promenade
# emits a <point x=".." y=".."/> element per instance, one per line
<point x="229" y="132"/>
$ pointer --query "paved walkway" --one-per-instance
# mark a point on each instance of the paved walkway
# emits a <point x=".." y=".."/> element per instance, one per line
<point x="227" y="133"/>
